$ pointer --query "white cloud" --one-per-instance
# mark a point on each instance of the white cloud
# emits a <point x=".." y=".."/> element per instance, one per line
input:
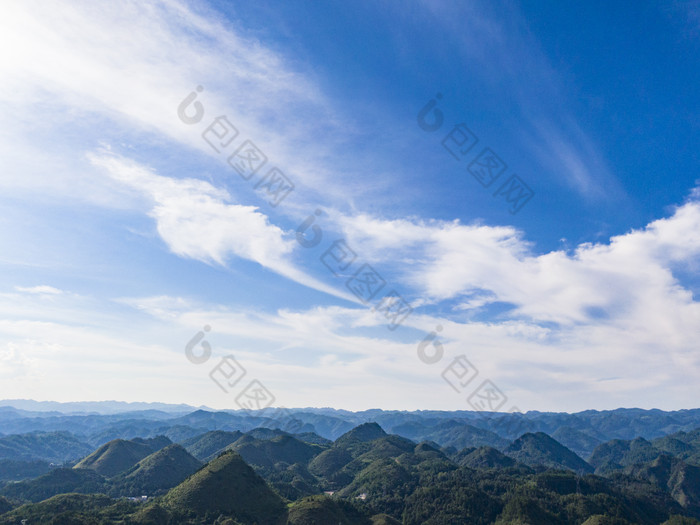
<point x="196" y="221"/>
<point x="576" y="317"/>
<point x="565" y="148"/>
<point x="326" y="353"/>
<point x="126" y="67"/>
<point x="344" y="357"/>
<point x="41" y="289"/>
<point x="606" y="309"/>
<point x="444" y="260"/>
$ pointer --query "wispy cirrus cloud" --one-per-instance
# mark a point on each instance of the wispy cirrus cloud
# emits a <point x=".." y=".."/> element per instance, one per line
<point x="198" y="221"/>
<point x="127" y="67"/>
<point x="497" y="41"/>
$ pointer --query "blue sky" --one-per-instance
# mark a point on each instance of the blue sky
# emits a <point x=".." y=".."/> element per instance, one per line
<point x="124" y="232"/>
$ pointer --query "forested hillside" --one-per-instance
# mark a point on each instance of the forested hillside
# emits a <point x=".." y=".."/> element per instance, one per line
<point x="366" y="475"/>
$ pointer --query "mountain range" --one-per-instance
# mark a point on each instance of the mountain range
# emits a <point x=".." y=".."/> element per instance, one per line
<point x="386" y="467"/>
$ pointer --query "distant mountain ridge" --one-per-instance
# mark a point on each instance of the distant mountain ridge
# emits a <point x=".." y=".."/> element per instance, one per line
<point x="95" y="407"/>
<point x="99" y="422"/>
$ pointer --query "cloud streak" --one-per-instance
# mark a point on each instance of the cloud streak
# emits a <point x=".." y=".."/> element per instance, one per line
<point x="198" y="221"/>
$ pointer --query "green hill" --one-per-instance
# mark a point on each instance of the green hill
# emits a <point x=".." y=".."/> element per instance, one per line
<point x="160" y="471"/>
<point x="115" y="457"/>
<point x="601" y="519"/>
<point x="355" y="450"/>
<point x="155" y="443"/>
<point x="57" y="481"/>
<point x="209" y="444"/>
<point x="683" y="445"/>
<point x="227" y="486"/>
<point x="5" y="505"/>
<point x="384" y="519"/>
<point x="684" y="485"/>
<point x="318" y="510"/>
<point x="48" y="446"/>
<point x="330" y="461"/>
<point x="12" y="470"/>
<point x="313" y="438"/>
<point x="280" y="449"/>
<point x="386" y="447"/>
<point x="266" y="433"/>
<point x="180" y="433"/>
<point x="282" y="461"/>
<point x="618" y="453"/>
<point x="425" y="455"/>
<point x="385" y="484"/>
<point x="454" y="497"/>
<point x="68" y="509"/>
<point x="327" y="426"/>
<point x="675" y="475"/>
<point x="361" y="434"/>
<point x="539" y="449"/>
<point x="379" y="477"/>
<point x="485" y="457"/>
<point x="452" y="433"/>
<point x="674" y="446"/>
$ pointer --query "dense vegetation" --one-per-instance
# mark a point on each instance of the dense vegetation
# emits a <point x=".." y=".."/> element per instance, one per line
<point x="369" y="477"/>
<point x="156" y="473"/>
